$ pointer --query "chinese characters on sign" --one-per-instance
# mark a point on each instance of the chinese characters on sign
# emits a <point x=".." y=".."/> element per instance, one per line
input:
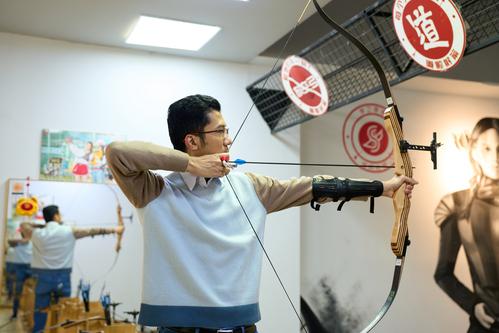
<point x="431" y="32"/>
<point x="426" y="30"/>
<point x="308" y="85"/>
<point x="304" y="86"/>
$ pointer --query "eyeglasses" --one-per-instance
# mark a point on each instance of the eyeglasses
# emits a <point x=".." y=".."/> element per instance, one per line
<point x="224" y="132"/>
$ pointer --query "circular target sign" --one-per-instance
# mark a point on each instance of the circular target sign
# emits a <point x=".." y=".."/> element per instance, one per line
<point x="304" y="86"/>
<point x="431" y="32"/>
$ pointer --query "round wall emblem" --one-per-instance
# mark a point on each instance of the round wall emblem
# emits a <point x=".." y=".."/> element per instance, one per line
<point x="304" y="86"/>
<point x="365" y="138"/>
<point x="431" y="32"/>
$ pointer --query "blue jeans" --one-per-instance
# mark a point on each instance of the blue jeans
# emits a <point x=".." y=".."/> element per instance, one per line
<point x="49" y="285"/>
<point x="22" y="273"/>
<point x="11" y="271"/>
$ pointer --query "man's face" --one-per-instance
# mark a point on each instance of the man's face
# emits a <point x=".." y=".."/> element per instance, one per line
<point x="218" y="140"/>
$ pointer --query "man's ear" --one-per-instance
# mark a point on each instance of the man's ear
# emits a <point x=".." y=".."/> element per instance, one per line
<point x="191" y="142"/>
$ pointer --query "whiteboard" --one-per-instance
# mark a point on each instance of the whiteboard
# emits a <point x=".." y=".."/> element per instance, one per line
<point x="96" y="262"/>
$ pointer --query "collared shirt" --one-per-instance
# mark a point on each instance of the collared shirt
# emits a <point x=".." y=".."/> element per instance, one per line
<point x="53" y="246"/>
<point x="191" y="179"/>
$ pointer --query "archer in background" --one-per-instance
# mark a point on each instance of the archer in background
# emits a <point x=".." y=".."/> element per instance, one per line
<point x="52" y="259"/>
<point x="9" y="271"/>
<point x="202" y="262"/>
<point x="470" y="218"/>
<point x="22" y="250"/>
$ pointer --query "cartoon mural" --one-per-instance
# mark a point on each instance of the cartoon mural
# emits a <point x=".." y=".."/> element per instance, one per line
<point x="75" y="156"/>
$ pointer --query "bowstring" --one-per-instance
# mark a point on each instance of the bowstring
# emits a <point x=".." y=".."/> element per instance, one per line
<point x="269" y="74"/>
<point x="118" y="252"/>
<point x="268" y="257"/>
<point x="303" y="326"/>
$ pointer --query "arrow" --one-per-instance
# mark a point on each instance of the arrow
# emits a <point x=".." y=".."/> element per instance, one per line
<point x="242" y="162"/>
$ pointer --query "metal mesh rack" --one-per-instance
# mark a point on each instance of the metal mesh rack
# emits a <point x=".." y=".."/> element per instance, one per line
<point x="349" y="76"/>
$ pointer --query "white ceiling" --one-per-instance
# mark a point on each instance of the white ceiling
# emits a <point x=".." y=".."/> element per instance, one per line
<point x="249" y="29"/>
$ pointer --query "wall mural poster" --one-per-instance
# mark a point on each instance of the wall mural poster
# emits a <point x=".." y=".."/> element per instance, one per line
<point x="76" y="156"/>
<point x="469" y="219"/>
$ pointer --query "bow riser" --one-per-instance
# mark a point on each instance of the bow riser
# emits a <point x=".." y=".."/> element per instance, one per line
<point x="403" y="166"/>
<point x="400" y="228"/>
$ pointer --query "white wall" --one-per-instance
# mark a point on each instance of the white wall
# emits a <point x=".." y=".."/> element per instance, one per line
<point x="350" y="250"/>
<point x="67" y="86"/>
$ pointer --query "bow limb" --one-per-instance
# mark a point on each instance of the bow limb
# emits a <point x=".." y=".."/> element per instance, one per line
<point x="120" y="224"/>
<point x="118" y="244"/>
<point x="120" y="219"/>
<point x="377" y="66"/>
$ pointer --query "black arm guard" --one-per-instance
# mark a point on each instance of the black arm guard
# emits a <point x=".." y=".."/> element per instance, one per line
<point x="345" y="189"/>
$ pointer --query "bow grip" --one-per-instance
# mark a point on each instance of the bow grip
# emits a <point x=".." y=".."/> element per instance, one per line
<point x="403" y="166"/>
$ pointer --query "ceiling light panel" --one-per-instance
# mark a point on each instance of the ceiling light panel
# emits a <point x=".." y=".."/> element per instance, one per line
<point x="171" y="34"/>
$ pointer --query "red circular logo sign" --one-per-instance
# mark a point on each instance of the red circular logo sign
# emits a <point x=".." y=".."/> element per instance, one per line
<point x="365" y="138"/>
<point x="304" y="86"/>
<point x="431" y="32"/>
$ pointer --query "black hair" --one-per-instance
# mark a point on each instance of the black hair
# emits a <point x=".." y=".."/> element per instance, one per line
<point x="189" y="115"/>
<point x="49" y="212"/>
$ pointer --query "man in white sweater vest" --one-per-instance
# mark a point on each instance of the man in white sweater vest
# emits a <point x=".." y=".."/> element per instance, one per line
<point x="202" y="261"/>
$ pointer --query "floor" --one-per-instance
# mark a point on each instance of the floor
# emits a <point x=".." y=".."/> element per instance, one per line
<point x="7" y="325"/>
<point x="18" y="324"/>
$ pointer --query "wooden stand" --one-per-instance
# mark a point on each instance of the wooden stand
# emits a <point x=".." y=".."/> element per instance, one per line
<point x="27" y="301"/>
<point x="97" y="324"/>
<point x="69" y="316"/>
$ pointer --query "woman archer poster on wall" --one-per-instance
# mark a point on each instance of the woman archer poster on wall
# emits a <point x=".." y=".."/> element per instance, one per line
<point x="469" y="219"/>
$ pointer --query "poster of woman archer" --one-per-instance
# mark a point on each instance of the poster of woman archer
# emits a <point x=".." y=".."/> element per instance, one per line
<point x="76" y="156"/>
